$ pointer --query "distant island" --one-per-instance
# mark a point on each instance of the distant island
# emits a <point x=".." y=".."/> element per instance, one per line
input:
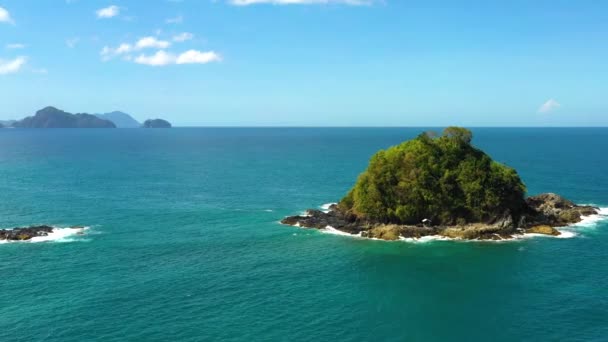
<point x="120" y="119"/>
<point x="156" y="123"/>
<point x="51" y="117"/>
<point x="441" y="185"/>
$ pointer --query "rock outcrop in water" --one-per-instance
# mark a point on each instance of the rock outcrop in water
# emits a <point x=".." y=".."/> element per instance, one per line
<point x="51" y="117"/>
<point x="543" y="215"/>
<point x="28" y="233"/>
<point x="442" y="186"/>
<point x="156" y="123"/>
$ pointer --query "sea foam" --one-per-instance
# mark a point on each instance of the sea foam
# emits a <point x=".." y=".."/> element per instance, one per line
<point x="591" y="221"/>
<point x="325" y="207"/>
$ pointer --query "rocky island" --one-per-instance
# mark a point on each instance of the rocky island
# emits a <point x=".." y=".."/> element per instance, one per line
<point x="441" y="185"/>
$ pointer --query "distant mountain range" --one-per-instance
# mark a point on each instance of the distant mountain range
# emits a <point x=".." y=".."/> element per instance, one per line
<point x="120" y="119"/>
<point x="51" y="117"/>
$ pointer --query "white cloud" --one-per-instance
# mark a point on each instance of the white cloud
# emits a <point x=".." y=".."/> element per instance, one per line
<point x="301" y="2"/>
<point x="108" y="12"/>
<point x="72" y="42"/>
<point x="151" y="42"/>
<point x="11" y="66"/>
<point x="197" y="57"/>
<point x="5" y="17"/>
<point x="182" y="37"/>
<point x="15" y="46"/>
<point x="549" y="106"/>
<point x="175" y="20"/>
<point x="161" y="58"/>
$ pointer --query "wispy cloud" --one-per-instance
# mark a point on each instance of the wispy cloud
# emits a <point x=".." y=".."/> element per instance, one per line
<point x="108" y="53"/>
<point x="175" y="20"/>
<point x="15" y="46"/>
<point x="182" y="37"/>
<point x="40" y="71"/>
<point x="72" y="42"/>
<point x="149" y="42"/>
<point x="161" y="58"/>
<point x="5" y="16"/>
<point x="124" y="49"/>
<point x="301" y="2"/>
<point x="108" y="12"/>
<point x="12" y="66"/>
<point x="549" y="106"/>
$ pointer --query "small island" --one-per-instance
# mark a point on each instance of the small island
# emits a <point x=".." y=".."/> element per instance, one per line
<point x="156" y="123"/>
<point x="441" y="185"/>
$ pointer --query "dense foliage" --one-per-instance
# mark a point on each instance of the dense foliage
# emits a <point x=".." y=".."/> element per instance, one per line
<point x="442" y="178"/>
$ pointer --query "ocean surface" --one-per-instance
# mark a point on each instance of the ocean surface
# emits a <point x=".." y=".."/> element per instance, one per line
<point x="184" y="242"/>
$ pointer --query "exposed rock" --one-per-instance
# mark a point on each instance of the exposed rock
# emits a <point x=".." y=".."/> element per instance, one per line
<point x="385" y="232"/>
<point x="554" y="210"/>
<point x="21" y="234"/>
<point x="543" y="229"/>
<point x="156" y="123"/>
<point x="545" y="212"/>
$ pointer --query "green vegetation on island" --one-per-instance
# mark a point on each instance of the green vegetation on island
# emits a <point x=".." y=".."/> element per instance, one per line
<point x="438" y="177"/>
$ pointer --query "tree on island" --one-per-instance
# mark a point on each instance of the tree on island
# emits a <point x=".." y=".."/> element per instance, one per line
<point x="438" y="177"/>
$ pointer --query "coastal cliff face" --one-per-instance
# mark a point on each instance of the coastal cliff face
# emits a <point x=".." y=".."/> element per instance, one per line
<point x="51" y="117"/>
<point x="156" y="123"/>
<point x="442" y="185"/>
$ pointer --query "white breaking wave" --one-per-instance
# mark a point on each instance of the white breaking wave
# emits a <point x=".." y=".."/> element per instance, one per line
<point x="334" y="231"/>
<point x="592" y="220"/>
<point x="428" y="238"/>
<point x="57" y="235"/>
<point x="325" y="207"/>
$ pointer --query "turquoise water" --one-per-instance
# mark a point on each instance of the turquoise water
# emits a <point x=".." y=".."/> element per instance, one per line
<point x="184" y="243"/>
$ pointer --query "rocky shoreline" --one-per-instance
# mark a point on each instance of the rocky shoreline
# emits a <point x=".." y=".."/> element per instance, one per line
<point x="544" y="213"/>
<point x="28" y="233"/>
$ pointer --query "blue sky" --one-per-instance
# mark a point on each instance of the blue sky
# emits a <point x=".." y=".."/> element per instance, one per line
<point x="310" y="62"/>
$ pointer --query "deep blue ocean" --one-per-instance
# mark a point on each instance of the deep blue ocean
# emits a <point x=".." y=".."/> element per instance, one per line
<point x="184" y="242"/>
